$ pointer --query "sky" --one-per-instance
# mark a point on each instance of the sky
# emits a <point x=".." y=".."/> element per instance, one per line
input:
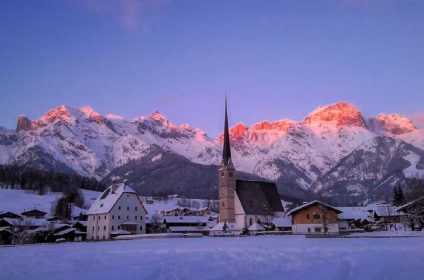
<point x="273" y="59"/>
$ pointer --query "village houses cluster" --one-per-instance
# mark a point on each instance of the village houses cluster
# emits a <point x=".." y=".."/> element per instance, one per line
<point x="245" y="208"/>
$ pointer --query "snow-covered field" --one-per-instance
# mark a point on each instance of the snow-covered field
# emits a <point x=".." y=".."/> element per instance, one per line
<point x="277" y="257"/>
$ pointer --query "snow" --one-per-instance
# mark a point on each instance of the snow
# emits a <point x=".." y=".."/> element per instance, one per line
<point x="256" y="227"/>
<point x="18" y="201"/>
<point x="276" y="257"/>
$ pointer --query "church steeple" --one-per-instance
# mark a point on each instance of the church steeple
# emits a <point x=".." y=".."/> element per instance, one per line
<point x="227" y="178"/>
<point x="226" y="153"/>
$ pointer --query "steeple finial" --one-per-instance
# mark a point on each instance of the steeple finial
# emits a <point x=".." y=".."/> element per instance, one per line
<point x="226" y="154"/>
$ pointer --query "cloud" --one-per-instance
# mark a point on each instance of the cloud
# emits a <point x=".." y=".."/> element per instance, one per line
<point x="130" y="13"/>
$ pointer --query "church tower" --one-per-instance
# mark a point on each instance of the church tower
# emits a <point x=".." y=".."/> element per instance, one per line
<point x="227" y="179"/>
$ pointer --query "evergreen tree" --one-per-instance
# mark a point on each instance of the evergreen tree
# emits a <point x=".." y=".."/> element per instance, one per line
<point x="398" y="196"/>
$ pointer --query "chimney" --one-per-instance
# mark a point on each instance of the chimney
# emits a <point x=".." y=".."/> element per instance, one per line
<point x="114" y="185"/>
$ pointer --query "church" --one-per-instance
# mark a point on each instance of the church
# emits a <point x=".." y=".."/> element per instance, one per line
<point x="243" y="203"/>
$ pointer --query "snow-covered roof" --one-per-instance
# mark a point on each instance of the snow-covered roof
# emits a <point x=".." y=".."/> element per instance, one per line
<point x="306" y="205"/>
<point x="83" y="223"/>
<point x="383" y="210"/>
<point x="105" y="202"/>
<point x="256" y="227"/>
<point x="185" y="219"/>
<point x="230" y="227"/>
<point x="355" y="213"/>
<point x="11" y="221"/>
<point x="65" y="231"/>
<point x="282" y="222"/>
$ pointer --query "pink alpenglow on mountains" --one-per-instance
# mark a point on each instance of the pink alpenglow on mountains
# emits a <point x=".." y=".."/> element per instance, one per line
<point x="297" y="154"/>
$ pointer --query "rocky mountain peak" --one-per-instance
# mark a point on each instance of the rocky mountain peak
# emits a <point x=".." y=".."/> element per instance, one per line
<point x="391" y="124"/>
<point x="339" y="114"/>
<point x="23" y="123"/>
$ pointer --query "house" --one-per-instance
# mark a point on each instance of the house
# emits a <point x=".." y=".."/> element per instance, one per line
<point x="283" y="224"/>
<point x="243" y="203"/>
<point x="414" y="213"/>
<point x="315" y="217"/>
<point x="34" y="213"/>
<point x="354" y="219"/>
<point x="11" y="215"/>
<point x="255" y="228"/>
<point x="117" y="208"/>
<point x="385" y="215"/>
<point x="224" y="229"/>
<point x="188" y="224"/>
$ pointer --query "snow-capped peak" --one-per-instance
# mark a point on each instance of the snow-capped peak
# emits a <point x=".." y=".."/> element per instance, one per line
<point x="339" y="114"/>
<point x="393" y="124"/>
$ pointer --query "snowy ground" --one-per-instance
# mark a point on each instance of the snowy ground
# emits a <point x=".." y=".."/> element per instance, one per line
<point x="277" y="257"/>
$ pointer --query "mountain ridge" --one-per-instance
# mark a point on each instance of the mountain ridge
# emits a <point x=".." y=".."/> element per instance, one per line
<point x="296" y="154"/>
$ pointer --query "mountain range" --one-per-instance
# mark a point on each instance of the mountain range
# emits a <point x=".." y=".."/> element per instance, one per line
<point x="335" y="152"/>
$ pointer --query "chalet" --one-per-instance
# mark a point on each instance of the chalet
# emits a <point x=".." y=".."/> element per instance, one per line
<point x="282" y="224"/>
<point x="117" y="208"/>
<point x="188" y="224"/>
<point x="315" y="217"/>
<point x="385" y="215"/>
<point x="354" y="219"/>
<point x="10" y="215"/>
<point x="34" y="213"/>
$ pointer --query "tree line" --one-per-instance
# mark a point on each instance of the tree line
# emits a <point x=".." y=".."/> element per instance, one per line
<point x="44" y="181"/>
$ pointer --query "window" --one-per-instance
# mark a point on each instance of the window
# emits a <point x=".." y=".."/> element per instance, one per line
<point x="94" y="218"/>
<point x="112" y="227"/>
<point x="93" y="228"/>
<point x="113" y="217"/>
<point x="92" y="238"/>
<point x="98" y="217"/>
<point x="136" y="209"/>
<point x="128" y="217"/>
<point x="222" y="174"/>
<point x="309" y="229"/>
<point x="317" y="229"/>
<point x="128" y="208"/>
<point x="119" y="227"/>
<point x="141" y="227"/>
<point x="307" y="216"/>
<point x="316" y="216"/>
<point x="98" y="228"/>
<point x="251" y="221"/>
<point x="119" y="207"/>
<point x="105" y="217"/>
<point x="141" y="218"/>
<point x="119" y="217"/>
<point x="136" y="217"/>
<point x="104" y="228"/>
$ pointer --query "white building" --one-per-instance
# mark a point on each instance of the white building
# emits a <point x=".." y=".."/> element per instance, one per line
<point x="118" y="209"/>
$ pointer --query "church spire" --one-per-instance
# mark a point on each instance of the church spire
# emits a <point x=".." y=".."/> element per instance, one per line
<point x="226" y="153"/>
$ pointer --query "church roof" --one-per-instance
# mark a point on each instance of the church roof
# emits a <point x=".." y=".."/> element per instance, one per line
<point x="260" y="198"/>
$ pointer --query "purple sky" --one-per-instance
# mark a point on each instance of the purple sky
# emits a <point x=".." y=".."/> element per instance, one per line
<point x="274" y="59"/>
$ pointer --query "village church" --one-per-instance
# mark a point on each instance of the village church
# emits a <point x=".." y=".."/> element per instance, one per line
<point x="243" y="204"/>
